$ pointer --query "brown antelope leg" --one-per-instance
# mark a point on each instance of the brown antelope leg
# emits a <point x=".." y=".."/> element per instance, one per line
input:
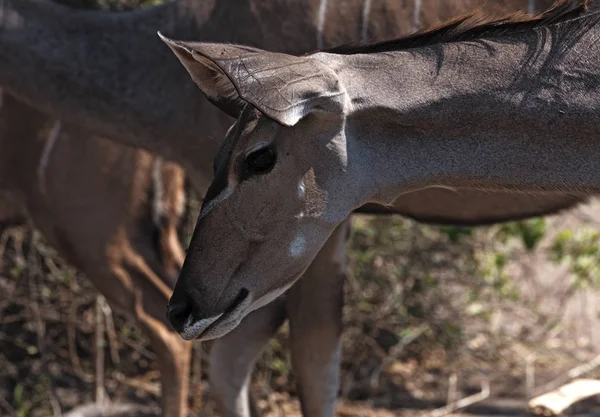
<point x="314" y="308"/>
<point x="232" y="359"/>
<point x="133" y="292"/>
<point x="173" y="355"/>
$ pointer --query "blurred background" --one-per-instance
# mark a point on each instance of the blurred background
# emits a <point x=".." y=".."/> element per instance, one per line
<point x="431" y="314"/>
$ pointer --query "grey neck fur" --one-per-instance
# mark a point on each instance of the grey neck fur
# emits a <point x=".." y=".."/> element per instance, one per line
<point x="522" y="115"/>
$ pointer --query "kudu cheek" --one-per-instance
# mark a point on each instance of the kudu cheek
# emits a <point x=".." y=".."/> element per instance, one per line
<point x="257" y="215"/>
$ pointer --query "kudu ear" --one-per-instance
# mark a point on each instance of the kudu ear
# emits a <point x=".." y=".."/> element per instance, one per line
<point x="284" y="87"/>
<point x="208" y="76"/>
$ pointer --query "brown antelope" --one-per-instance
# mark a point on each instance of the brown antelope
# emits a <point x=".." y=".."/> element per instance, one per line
<point x="109" y="73"/>
<point x="507" y="105"/>
<point x="110" y="210"/>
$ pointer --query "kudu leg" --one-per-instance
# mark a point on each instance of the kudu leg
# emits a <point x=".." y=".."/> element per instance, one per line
<point x="314" y="308"/>
<point x="233" y="356"/>
<point x="173" y="355"/>
<point x="134" y="293"/>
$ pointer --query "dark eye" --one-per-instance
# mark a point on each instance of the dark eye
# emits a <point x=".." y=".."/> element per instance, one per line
<point x="260" y="161"/>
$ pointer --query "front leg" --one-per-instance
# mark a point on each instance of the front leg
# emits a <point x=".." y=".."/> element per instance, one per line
<point x="314" y="308"/>
<point x="232" y="358"/>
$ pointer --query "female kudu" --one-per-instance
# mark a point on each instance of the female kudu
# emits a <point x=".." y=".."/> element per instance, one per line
<point x="78" y="82"/>
<point x="510" y="104"/>
<point x="110" y="210"/>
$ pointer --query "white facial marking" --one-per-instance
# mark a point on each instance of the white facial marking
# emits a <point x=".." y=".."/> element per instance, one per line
<point x="365" y="20"/>
<point x="193" y="330"/>
<point x="321" y="23"/>
<point x="298" y="246"/>
<point x="417" y="15"/>
<point x="47" y="151"/>
<point x="213" y="203"/>
<point x="301" y="189"/>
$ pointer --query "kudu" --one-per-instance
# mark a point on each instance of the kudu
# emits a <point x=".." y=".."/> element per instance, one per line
<point x="109" y="73"/>
<point x="511" y="104"/>
<point x="112" y="212"/>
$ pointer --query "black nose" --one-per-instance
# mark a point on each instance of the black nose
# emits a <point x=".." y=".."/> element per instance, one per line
<point x="178" y="313"/>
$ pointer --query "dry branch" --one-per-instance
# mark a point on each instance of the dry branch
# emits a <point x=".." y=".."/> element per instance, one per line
<point x="554" y="403"/>
<point x="99" y="352"/>
<point x="104" y="410"/>
<point x="463" y="402"/>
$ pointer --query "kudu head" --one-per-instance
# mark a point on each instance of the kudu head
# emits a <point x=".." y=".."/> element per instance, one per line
<point x="279" y="188"/>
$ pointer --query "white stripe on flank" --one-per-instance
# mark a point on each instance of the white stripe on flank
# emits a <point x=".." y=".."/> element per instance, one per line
<point x="45" y="158"/>
<point x="417" y="15"/>
<point x="531" y="8"/>
<point x="365" y="20"/>
<point x="321" y="23"/>
<point x="158" y="206"/>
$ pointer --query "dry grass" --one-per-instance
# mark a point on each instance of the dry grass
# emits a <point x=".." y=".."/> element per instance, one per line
<point x="419" y="307"/>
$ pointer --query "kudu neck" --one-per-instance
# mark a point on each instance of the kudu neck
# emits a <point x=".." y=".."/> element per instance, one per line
<point x="498" y="114"/>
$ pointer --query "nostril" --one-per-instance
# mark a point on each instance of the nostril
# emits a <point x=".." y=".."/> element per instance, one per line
<point x="177" y="313"/>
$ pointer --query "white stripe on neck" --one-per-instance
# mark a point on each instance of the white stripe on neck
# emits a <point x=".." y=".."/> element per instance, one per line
<point x="321" y="23"/>
<point x="417" y="15"/>
<point x="365" y="20"/>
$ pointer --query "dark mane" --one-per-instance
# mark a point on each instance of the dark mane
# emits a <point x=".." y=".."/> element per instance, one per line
<point x="471" y="26"/>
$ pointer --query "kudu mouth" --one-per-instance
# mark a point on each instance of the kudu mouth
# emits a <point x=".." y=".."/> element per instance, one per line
<point x="217" y="326"/>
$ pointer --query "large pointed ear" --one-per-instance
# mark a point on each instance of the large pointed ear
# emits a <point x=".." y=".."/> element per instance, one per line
<point x="209" y="77"/>
<point x="284" y="87"/>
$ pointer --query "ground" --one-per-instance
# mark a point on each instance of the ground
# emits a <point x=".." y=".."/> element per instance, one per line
<point x="404" y="340"/>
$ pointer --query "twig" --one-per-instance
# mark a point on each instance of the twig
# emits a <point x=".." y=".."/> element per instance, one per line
<point x="106" y="410"/>
<point x="463" y="402"/>
<point x="452" y="391"/>
<point x="148" y="387"/>
<point x="572" y="374"/>
<point x="40" y="327"/>
<point x="6" y="406"/>
<point x="99" y="352"/>
<point x="113" y="343"/>
<point x="139" y="348"/>
<point x="72" y="335"/>
<point x="394" y="353"/>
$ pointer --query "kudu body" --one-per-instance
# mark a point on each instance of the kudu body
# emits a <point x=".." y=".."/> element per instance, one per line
<point x="112" y="212"/>
<point x="110" y="74"/>
<point x="511" y="105"/>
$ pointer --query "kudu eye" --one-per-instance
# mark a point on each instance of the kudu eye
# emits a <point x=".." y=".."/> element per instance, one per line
<point x="260" y="161"/>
